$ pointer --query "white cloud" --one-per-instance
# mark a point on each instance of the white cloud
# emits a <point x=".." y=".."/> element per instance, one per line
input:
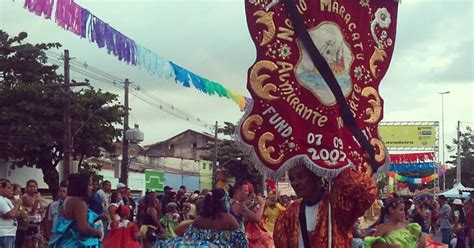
<point x="211" y="39"/>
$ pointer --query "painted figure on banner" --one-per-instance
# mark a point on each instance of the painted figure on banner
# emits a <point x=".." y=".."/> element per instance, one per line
<point x="329" y="40"/>
<point x="297" y="122"/>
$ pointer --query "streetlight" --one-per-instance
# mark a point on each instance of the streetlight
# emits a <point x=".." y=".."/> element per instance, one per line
<point x="83" y="123"/>
<point x="225" y="162"/>
<point x="442" y="134"/>
<point x="133" y="136"/>
<point x="219" y="165"/>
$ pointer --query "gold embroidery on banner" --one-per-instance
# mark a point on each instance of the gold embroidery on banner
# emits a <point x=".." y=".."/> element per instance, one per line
<point x="375" y="112"/>
<point x="305" y="112"/>
<point x="286" y="33"/>
<point x="378" y="55"/>
<point x="380" y="151"/>
<point x="267" y="151"/>
<point x="257" y="80"/>
<point x="253" y="119"/>
<point x="266" y="18"/>
<point x="368" y="169"/>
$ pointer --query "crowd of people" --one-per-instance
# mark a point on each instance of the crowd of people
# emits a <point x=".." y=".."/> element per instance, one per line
<point x="85" y="213"/>
<point x="417" y="222"/>
<point x="233" y="214"/>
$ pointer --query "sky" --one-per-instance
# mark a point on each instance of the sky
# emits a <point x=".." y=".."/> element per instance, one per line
<point x="434" y="52"/>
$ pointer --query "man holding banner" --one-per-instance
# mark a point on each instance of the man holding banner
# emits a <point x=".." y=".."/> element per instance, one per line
<point x="316" y="109"/>
<point x="327" y="213"/>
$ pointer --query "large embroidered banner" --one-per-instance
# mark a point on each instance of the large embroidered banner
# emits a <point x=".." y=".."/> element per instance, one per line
<point x="294" y="116"/>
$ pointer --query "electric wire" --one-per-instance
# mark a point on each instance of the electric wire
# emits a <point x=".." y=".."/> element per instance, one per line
<point x="144" y="95"/>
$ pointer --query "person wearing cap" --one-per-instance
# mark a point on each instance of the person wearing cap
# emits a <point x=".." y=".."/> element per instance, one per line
<point x="122" y="189"/>
<point x="444" y="220"/>
<point x="459" y="223"/>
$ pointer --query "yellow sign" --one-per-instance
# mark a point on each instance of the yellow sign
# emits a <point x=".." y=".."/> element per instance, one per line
<point x="416" y="136"/>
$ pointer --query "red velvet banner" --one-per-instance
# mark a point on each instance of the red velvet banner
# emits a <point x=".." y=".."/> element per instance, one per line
<point x="294" y="115"/>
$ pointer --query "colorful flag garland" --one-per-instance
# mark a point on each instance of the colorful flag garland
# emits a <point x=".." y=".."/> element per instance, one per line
<point x="412" y="167"/>
<point x="80" y="21"/>
<point x="412" y="157"/>
<point x="412" y="180"/>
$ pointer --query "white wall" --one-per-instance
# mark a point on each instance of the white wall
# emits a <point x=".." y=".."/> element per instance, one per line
<point x="176" y="163"/>
<point x="136" y="181"/>
<point x="22" y="175"/>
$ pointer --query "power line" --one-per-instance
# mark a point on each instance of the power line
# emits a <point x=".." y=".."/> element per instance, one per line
<point x="101" y="76"/>
<point x="188" y="117"/>
<point x="20" y="139"/>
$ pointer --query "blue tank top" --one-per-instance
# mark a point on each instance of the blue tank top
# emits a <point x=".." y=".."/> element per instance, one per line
<point x="66" y="235"/>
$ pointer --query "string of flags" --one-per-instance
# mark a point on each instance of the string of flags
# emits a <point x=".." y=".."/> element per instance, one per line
<point x="412" y="157"/>
<point x="412" y="180"/>
<point x="413" y="167"/>
<point x="80" y="21"/>
<point x="412" y="163"/>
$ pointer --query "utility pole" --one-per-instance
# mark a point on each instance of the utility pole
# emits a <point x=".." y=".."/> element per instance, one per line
<point x="214" y="162"/>
<point x="124" y="170"/>
<point x="443" y="162"/>
<point x="67" y="117"/>
<point x="458" y="157"/>
<point x="67" y="145"/>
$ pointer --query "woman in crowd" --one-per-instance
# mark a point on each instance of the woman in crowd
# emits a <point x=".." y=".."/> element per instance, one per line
<point x="32" y="202"/>
<point x="150" y="220"/>
<point x="124" y="233"/>
<point x="239" y="209"/>
<point x="74" y="226"/>
<point x="22" y="219"/>
<point x="257" y="234"/>
<point x="419" y="216"/>
<point x="395" y="232"/>
<point x="459" y="223"/>
<point x="272" y="210"/>
<point x="427" y="209"/>
<point x="115" y="199"/>
<point x="184" y="208"/>
<point x="171" y="219"/>
<point x="434" y="216"/>
<point x="213" y="226"/>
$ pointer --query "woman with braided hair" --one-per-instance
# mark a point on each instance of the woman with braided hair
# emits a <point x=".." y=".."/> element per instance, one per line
<point x="212" y="228"/>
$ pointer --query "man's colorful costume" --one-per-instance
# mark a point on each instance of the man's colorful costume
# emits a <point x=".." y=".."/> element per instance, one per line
<point x="352" y="194"/>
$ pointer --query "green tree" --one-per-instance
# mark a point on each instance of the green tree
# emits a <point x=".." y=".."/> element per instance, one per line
<point x="466" y="141"/>
<point x="31" y="111"/>
<point x="229" y="151"/>
<point x="91" y="169"/>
